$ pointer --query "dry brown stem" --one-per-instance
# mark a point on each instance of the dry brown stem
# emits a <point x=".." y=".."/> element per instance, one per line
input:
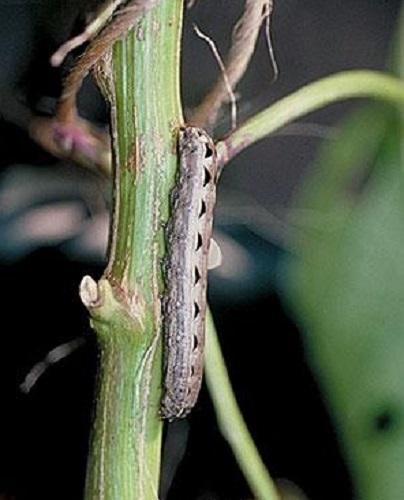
<point x="122" y="21"/>
<point x="244" y="39"/>
<point x="66" y="135"/>
<point x="227" y="84"/>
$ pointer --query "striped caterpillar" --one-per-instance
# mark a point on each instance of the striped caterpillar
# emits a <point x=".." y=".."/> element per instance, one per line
<point x="188" y="237"/>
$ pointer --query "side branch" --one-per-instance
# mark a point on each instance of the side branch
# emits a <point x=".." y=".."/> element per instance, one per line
<point x="345" y="85"/>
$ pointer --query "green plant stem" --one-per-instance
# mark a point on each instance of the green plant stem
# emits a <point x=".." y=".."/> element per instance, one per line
<point x="124" y="459"/>
<point x="345" y="85"/>
<point x="142" y="85"/>
<point x="230" y="419"/>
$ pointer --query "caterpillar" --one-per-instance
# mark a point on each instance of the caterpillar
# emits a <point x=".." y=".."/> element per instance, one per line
<point x="188" y="237"/>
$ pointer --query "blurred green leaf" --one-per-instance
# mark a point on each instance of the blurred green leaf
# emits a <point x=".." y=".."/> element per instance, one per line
<point x="347" y="289"/>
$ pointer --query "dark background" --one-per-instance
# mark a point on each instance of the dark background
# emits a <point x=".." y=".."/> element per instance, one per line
<point x="44" y="435"/>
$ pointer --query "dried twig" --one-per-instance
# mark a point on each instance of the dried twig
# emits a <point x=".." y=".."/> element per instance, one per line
<point x="226" y="81"/>
<point x="268" y="17"/>
<point x="101" y="18"/>
<point x="123" y="20"/>
<point x="66" y="135"/>
<point x="244" y="40"/>
<point x="54" y="356"/>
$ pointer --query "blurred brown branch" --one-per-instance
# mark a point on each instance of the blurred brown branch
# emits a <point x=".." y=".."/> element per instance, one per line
<point x="244" y="39"/>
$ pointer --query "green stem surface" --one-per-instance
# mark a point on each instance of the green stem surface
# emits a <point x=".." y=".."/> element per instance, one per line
<point x="142" y="84"/>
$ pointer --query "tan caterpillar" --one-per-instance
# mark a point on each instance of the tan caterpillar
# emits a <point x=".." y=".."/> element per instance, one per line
<point x="188" y="236"/>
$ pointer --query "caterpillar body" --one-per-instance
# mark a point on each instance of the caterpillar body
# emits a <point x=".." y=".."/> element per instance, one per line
<point x="188" y="237"/>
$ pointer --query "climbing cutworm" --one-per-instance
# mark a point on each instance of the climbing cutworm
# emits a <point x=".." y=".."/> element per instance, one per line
<point x="188" y="238"/>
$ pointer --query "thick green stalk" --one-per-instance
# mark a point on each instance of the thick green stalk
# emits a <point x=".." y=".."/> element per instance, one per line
<point x="143" y="86"/>
<point x="313" y="96"/>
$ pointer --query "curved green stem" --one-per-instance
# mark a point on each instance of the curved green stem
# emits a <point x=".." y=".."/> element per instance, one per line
<point x="345" y="85"/>
<point x="230" y="419"/>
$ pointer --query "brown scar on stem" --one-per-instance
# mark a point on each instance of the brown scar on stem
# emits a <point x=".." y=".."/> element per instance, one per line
<point x="133" y="159"/>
